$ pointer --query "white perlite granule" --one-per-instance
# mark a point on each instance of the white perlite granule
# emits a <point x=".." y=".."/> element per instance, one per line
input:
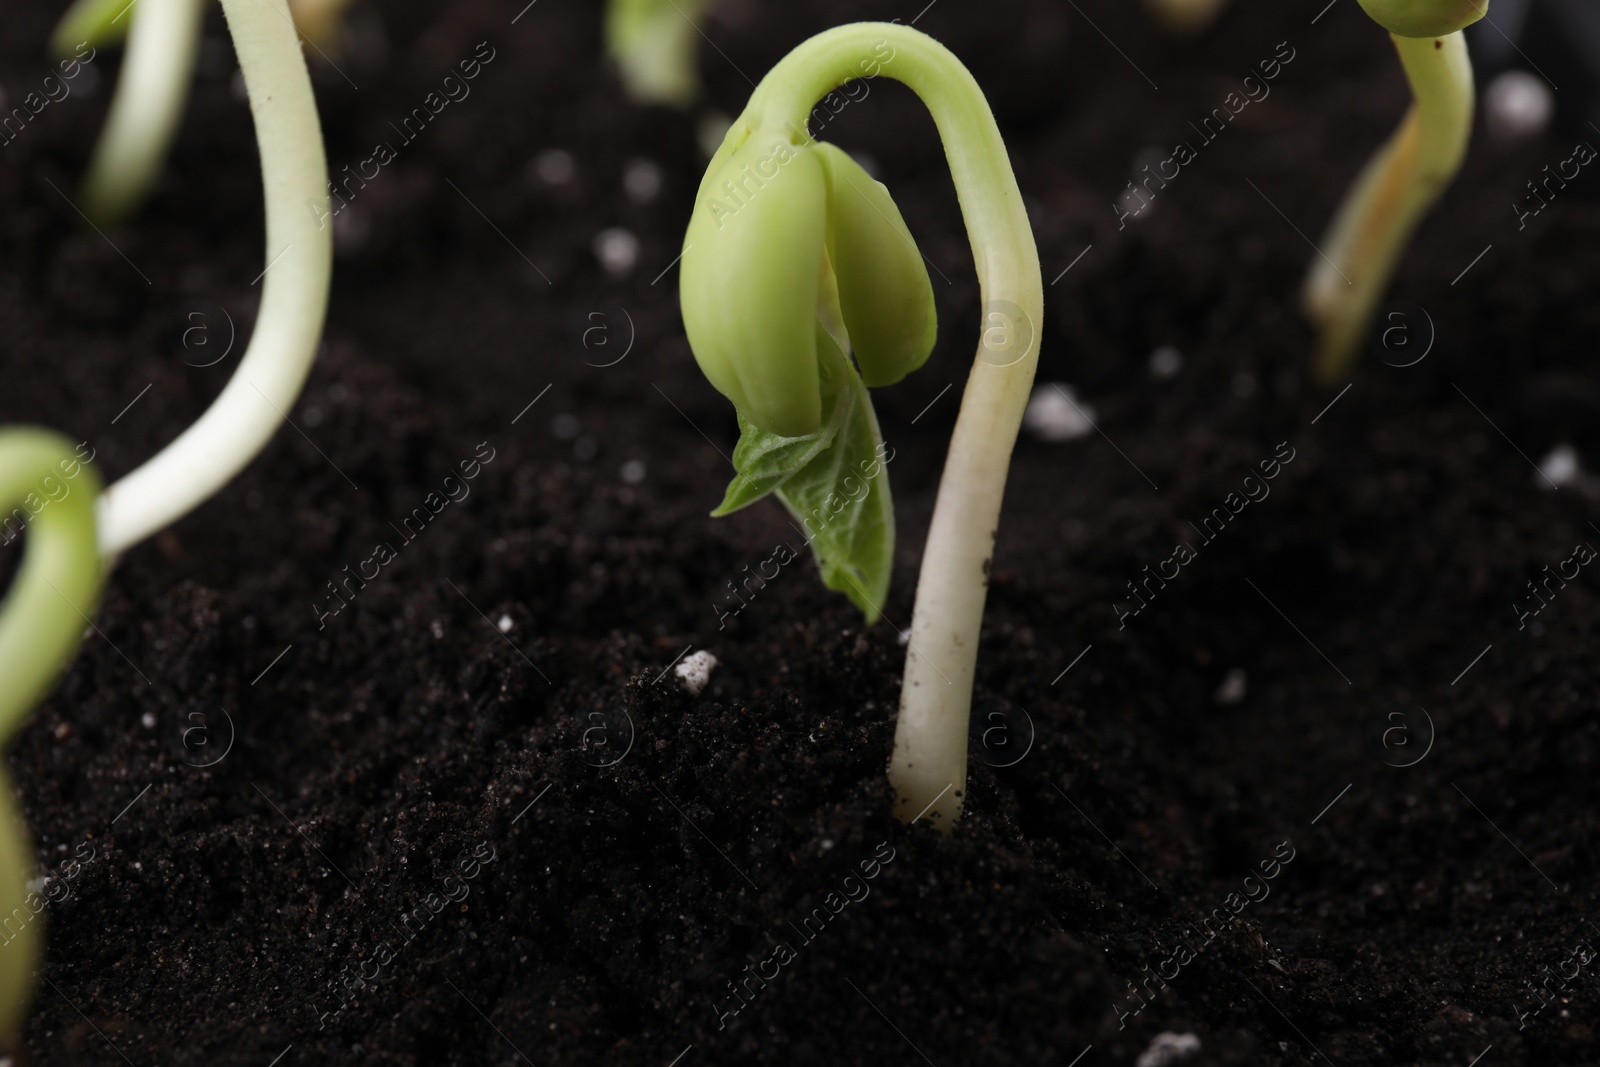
<point x="695" y="671"/>
<point x="1168" y="1048"/>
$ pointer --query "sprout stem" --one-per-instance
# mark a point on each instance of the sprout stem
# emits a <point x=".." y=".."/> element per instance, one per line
<point x="1390" y="197"/>
<point x="929" y="766"/>
<point x="91" y="22"/>
<point x="294" y="298"/>
<point x="157" y="68"/>
<point x="70" y="544"/>
<point x="42" y="619"/>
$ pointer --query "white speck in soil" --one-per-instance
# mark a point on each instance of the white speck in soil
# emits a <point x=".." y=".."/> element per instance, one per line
<point x="1517" y="105"/>
<point x="505" y="624"/>
<point x="1165" y="362"/>
<point x="148" y="720"/>
<point x="633" y="471"/>
<point x="641" y="180"/>
<point x="617" y="250"/>
<point x="695" y="671"/>
<point x="1560" y="467"/>
<point x="1233" y="688"/>
<point x="554" y="166"/>
<point x="1168" y="1048"/>
<point x="1055" y="414"/>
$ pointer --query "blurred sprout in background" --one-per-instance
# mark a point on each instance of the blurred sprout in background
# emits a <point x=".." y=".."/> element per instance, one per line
<point x="654" y="43"/>
<point x="163" y="41"/>
<point x="1183" y="17"/>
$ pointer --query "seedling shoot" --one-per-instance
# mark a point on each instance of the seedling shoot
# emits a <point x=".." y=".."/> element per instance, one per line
<point x="794" y="260"/>
<point x="75" y="532"/>
<point x="1402" y="182"/>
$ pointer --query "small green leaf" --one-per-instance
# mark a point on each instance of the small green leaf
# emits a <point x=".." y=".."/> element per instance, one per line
<point x="833" y="481"/>
<point x="764" y="461"/>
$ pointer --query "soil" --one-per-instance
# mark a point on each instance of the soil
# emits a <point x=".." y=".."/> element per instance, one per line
<point x="265" y="797"/>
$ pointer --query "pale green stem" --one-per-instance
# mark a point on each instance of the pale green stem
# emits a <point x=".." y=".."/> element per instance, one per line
<point x="19" y="957"/>
<point x="71" y="543"/>
<point x="151" y="91"/>
<point x="294" y="297"/>
<point x="1383" y="209"/>
<point x="929" y="768"/>
<point x="42" y="619"/>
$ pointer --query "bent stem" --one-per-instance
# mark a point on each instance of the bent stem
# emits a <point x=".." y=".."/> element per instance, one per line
<point x="163" y="41"/>
<point x="929" y="768"/>
<point x="294" y="298"/>
<point x="42" y="619"/>
<point x="1389" y="199"/>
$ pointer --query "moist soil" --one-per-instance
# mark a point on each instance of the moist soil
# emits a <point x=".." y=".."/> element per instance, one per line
<point x="401" y="834"/>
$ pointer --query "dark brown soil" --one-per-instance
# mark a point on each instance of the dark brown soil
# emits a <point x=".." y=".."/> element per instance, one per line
<point x="369" y="758"/>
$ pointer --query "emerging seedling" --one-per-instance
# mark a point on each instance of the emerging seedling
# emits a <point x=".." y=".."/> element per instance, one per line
<point x="42" y="620"/>
<point x="72" y="543"/>
<point x="163" y="40"/>
<point x="153" y="87"/>
<point x="294" y="297"/>
<point x="1406" y="177"/>
<point x="795" y="257"/>
<point x="653" y="44"/>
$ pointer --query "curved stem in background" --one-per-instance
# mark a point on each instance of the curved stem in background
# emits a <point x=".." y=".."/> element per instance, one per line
<point x="91" y="22"/>
<point x="294" y="298"/>
<point x="929" y="768"/>
<point x="1386" y="204"/>
<point x="163" y="41"/>
<point x="320" y="21"/>
<point x="42" y="619"/>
